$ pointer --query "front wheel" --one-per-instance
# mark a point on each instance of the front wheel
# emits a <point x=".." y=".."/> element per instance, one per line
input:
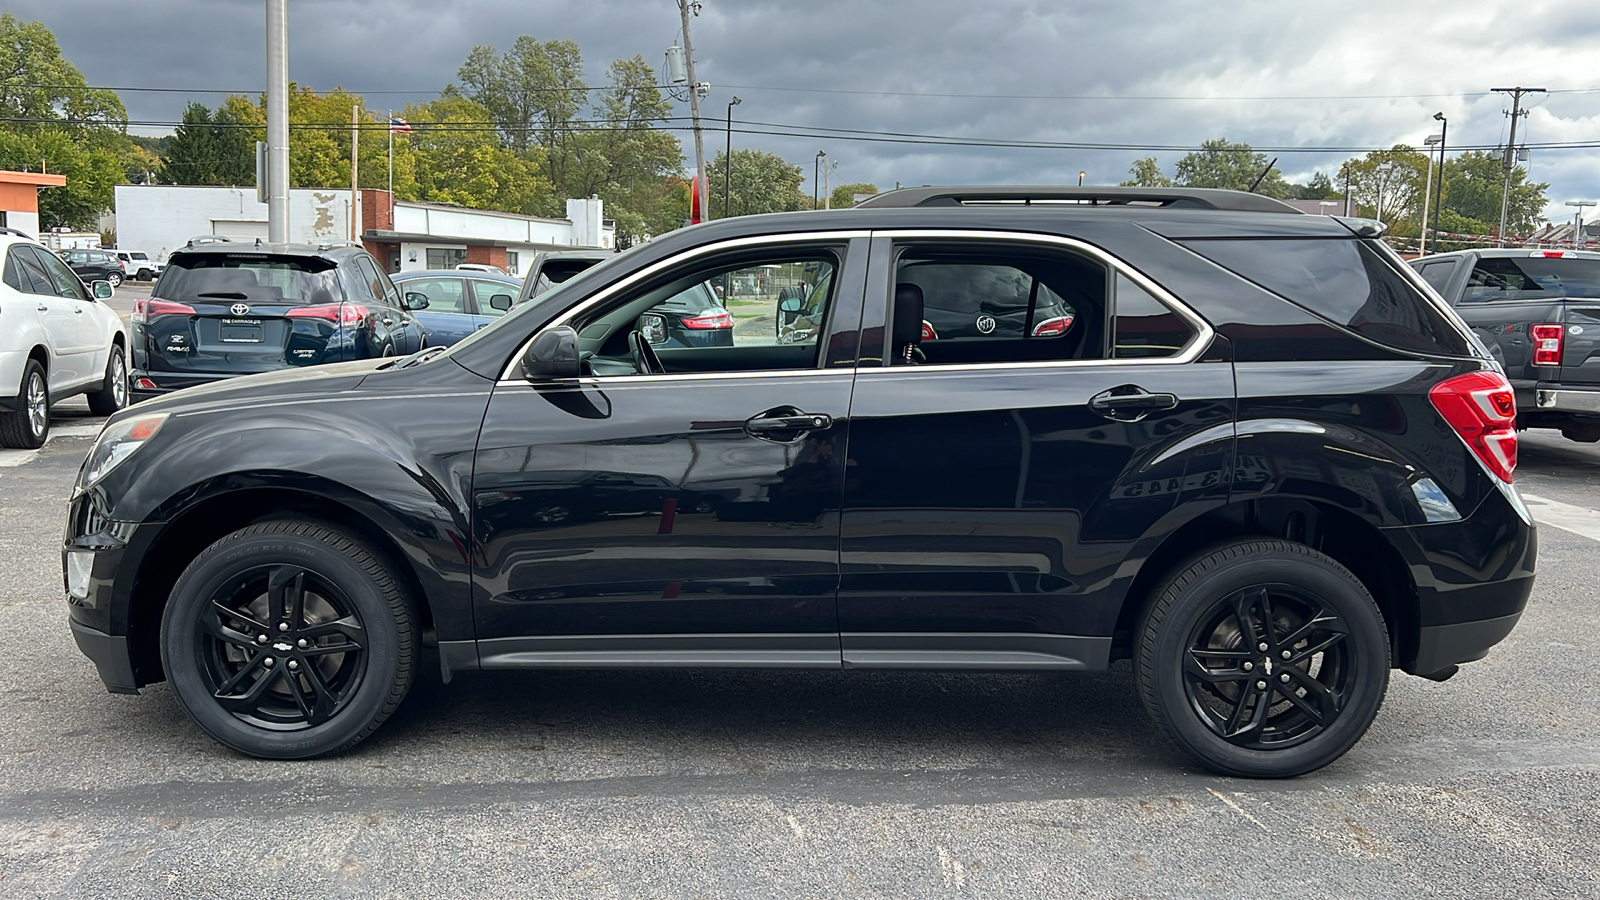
<point x="1265" y="659"/>
<point x="289" y="639"/>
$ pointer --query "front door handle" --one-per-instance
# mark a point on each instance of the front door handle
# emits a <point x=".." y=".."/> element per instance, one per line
<point x="1130" y="403"/>
<point x="785" y="421"/>
<point x="42" y="308"/>
<point x="78" y="310"/>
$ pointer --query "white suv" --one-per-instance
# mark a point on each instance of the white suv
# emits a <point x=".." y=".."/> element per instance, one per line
<point x="138" y="265"/>
<point x="56" y="340"/>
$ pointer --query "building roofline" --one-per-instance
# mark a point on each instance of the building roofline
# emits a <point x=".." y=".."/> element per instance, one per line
<point x="38" y="179"/>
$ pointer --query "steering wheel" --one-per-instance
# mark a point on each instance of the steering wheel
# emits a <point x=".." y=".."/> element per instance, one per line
<point x="644" y="355"/>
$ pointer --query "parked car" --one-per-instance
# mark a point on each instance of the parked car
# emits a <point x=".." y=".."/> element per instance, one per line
<point x="56" y="340"/>
<point x="480" y="267"/>
<point x="450" y="304"/>
<point x="692" y="317"/>
<point x="95" y="265"/>
<point x="136" y="264"/>
<point x="1538" y="312"/>
<point x="551" y="268"/>
<point x="222" y="309"/>
<point x="1264" y="491"/>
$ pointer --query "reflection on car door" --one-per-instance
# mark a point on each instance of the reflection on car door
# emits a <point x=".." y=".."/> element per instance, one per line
<point x="612" y="512"/>
<point x="71" y="324"/>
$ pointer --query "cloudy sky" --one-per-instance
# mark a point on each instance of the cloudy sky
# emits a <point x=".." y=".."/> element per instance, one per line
<point x="854" y="76"/>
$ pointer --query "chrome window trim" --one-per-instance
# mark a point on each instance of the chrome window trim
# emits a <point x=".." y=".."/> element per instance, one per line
<point x="625" y="380"/>
<point x="808" y="237"/>
<point x="1204" y="333"/>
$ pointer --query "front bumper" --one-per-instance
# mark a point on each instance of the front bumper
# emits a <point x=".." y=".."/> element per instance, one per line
<point x="97" y="559"/>
<point x="110" y="655"/>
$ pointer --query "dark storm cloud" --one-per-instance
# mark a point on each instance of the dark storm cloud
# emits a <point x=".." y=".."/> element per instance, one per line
<point x="1362" y="55"/>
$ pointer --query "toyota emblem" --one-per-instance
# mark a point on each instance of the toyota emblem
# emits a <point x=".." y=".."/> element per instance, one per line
<point x="243" y="309"/>
<point x="986" y="323"/>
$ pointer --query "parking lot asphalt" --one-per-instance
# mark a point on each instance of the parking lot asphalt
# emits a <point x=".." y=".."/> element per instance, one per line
<point x="797" y="784"/>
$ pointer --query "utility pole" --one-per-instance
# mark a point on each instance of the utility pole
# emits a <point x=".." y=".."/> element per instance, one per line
<point x="355" y="147"/>
<point x="1511" y="149"/>
<point x="816" y="178"/>
<point x="686" y="10"/>
<point x="1438" y="201"/>
<point x="278" y="121"/>
<point x="727" y="162"/>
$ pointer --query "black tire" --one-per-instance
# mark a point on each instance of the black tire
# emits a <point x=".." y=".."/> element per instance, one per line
<point x="27" y="426"/>
<point x="113" y="393"/>
<point x="1202" y="682"/>
<point x="280" y="678"/>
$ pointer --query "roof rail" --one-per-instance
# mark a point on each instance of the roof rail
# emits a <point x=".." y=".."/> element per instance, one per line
<point x="20" y="234"/>
<point x="329" y="245"/>
<point x="1067" y="195"/>
<point x="201" y="239"/>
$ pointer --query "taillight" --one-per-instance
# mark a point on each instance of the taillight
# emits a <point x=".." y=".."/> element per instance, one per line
<point x="1483" y="411"/>
<point x="928" y="334"/>
<point x="1546" y="344"/>
<point x="1052" y="327"/>
<point x="718" y="319"/>
<point x="338" y="313"/>
<point x="145" y="310"/>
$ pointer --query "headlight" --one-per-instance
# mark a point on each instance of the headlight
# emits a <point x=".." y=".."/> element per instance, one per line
<point x="117" y="443"/>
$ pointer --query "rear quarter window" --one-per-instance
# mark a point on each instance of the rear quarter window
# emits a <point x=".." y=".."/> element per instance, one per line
<point x="1346" y="281"/>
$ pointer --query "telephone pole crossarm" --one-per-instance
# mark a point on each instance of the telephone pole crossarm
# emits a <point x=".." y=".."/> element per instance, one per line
<point x="1510" y="162"/>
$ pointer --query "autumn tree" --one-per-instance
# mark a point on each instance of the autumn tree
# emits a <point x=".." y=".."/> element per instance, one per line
<point x="454" y="159"/>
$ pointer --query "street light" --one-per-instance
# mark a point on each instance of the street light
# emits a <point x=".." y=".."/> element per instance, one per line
<point x="1427" y="194"/>
<point x="1577" y="227"/>
<point x="727" y="161"/>
<point x="816" y="176"/>
<point x="1439" y="184"/>
<point x="1080" y="178"/>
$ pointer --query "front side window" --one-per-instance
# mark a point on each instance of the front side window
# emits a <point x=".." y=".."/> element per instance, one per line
<point x="746" y="315"/>
<point x="445" y="295"/>
<point x="487" y="291"/>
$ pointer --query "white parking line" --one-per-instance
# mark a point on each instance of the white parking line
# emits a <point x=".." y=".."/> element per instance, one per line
<point x="1579" y="520"/>
<point x="10" y="459"/>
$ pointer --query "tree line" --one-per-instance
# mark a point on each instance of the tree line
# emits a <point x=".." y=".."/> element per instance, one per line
<point x="1389" y="185"/>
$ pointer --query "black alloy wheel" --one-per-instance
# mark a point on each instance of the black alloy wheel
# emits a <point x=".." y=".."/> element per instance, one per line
<point x="1264" y="659"/>
<point x="289" y="639"/>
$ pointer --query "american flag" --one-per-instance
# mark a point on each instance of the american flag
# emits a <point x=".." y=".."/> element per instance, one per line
<point x="398" y="125"/>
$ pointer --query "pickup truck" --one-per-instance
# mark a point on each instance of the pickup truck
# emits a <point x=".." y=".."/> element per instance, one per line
<point x="1538" y="312"/>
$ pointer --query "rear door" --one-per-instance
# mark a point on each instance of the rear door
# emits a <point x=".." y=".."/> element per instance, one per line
<point x="998" y="481"/>
<point x="73" y="328"/>
<point x="241" y="313"/>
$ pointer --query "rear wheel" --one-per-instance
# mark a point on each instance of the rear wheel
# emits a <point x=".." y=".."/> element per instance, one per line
<point x="289" y="639"/>
<point x="115" y="278"/>
<point x="1265" y="659"/>
<point x="113" y="393"/>
<point x="27" y="426"/>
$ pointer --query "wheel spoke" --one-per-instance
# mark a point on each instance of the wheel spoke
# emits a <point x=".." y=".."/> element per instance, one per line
<point x="1314" y="713"/>
<point x="286" y="594"/>
<point x="1194" y="668"/>
<point x="327" y="700"/>
<point x="232" y="613"/>
<point x="222" y="632"/>
<point x="330" y="649"/>
<point x="1322" y="620"/>
<point x="1237" y="725"/>
<point x="349" y="626"/>
<point x="1328" y="703"/>
<point x="1253" y="610"/>
<point x="239" y="676"/>
<point x="252" y="696"/>
<point x="1321" y="646"/>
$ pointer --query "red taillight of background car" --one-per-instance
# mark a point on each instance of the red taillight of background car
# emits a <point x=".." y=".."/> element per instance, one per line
<point x="1052" y="327"/>
<point x="1547" y="339"/>
<point x="928" y="334"/>
<point x="718" y="319"/>
<point x="145" y="310"/>
<point x="1483" y="411"/>
<point x="338" y="313"/>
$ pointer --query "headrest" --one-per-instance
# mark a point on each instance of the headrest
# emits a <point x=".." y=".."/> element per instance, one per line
<point x="907" y="315"/>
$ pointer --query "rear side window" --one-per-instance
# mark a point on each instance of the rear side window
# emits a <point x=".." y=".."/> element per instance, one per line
<point x="1144" y="327"/>
<point x="1346" y="281"/>
<point x="1532" y="278"/>
<point x="1437" y="275"/>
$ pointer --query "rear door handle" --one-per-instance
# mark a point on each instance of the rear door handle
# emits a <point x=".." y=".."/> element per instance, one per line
<point x="78" y="310"/>
<point x="42" y="308"/>
<point x="1130" y="403"/>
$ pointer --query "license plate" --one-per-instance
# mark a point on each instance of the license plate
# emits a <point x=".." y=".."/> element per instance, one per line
<point x="240" y="334"/>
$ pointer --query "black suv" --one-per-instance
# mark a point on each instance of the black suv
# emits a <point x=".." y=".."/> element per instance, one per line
<point x="222" y="309"/>
<point x="1538" y="312"/>
<point x="1262" y="462"/>
<point x="95" y="265"/>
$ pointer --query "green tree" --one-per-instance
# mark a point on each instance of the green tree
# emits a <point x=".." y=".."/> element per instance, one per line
<point x="1146" y="172"/>
<point x="761" y="183"/>
<point x="93" y="173"/>
<point x="1320" y="187"/>
<point x="209" y="148"/>
<point x="844" y="196"/>
<point x="1220" y="163"/>
<point x="534" y="93"/>
<point x="1388" y="185"/>
<point x="1474" y="181"/>
<point x="455" y="160"/>
<point x="625" y="160"/>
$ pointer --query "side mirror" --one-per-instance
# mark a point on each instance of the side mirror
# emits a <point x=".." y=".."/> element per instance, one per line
<point x="102" y="290"/>
<point x="553" y="354"/>
<point x="501" y="302"/>
<point x="789" y="305"/>
<point x="415" y="300"/>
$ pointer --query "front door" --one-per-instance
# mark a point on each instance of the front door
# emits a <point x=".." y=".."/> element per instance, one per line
<point x="680" y="506"/>
<point x="1028" y="432"/>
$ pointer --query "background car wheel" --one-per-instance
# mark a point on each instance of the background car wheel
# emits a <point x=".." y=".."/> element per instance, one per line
<point x="289" y="639"/>
<point x="115" y="278"/>
<point x="113" y="393"/>
<point x="1265" y="659"/>
<point x="28" y="425"/>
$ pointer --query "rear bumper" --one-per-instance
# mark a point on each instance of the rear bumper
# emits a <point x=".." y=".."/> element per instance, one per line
<point x="144" y="385"/>
<point x="1555" y="398"/>
<point x="1441" y="646"/>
